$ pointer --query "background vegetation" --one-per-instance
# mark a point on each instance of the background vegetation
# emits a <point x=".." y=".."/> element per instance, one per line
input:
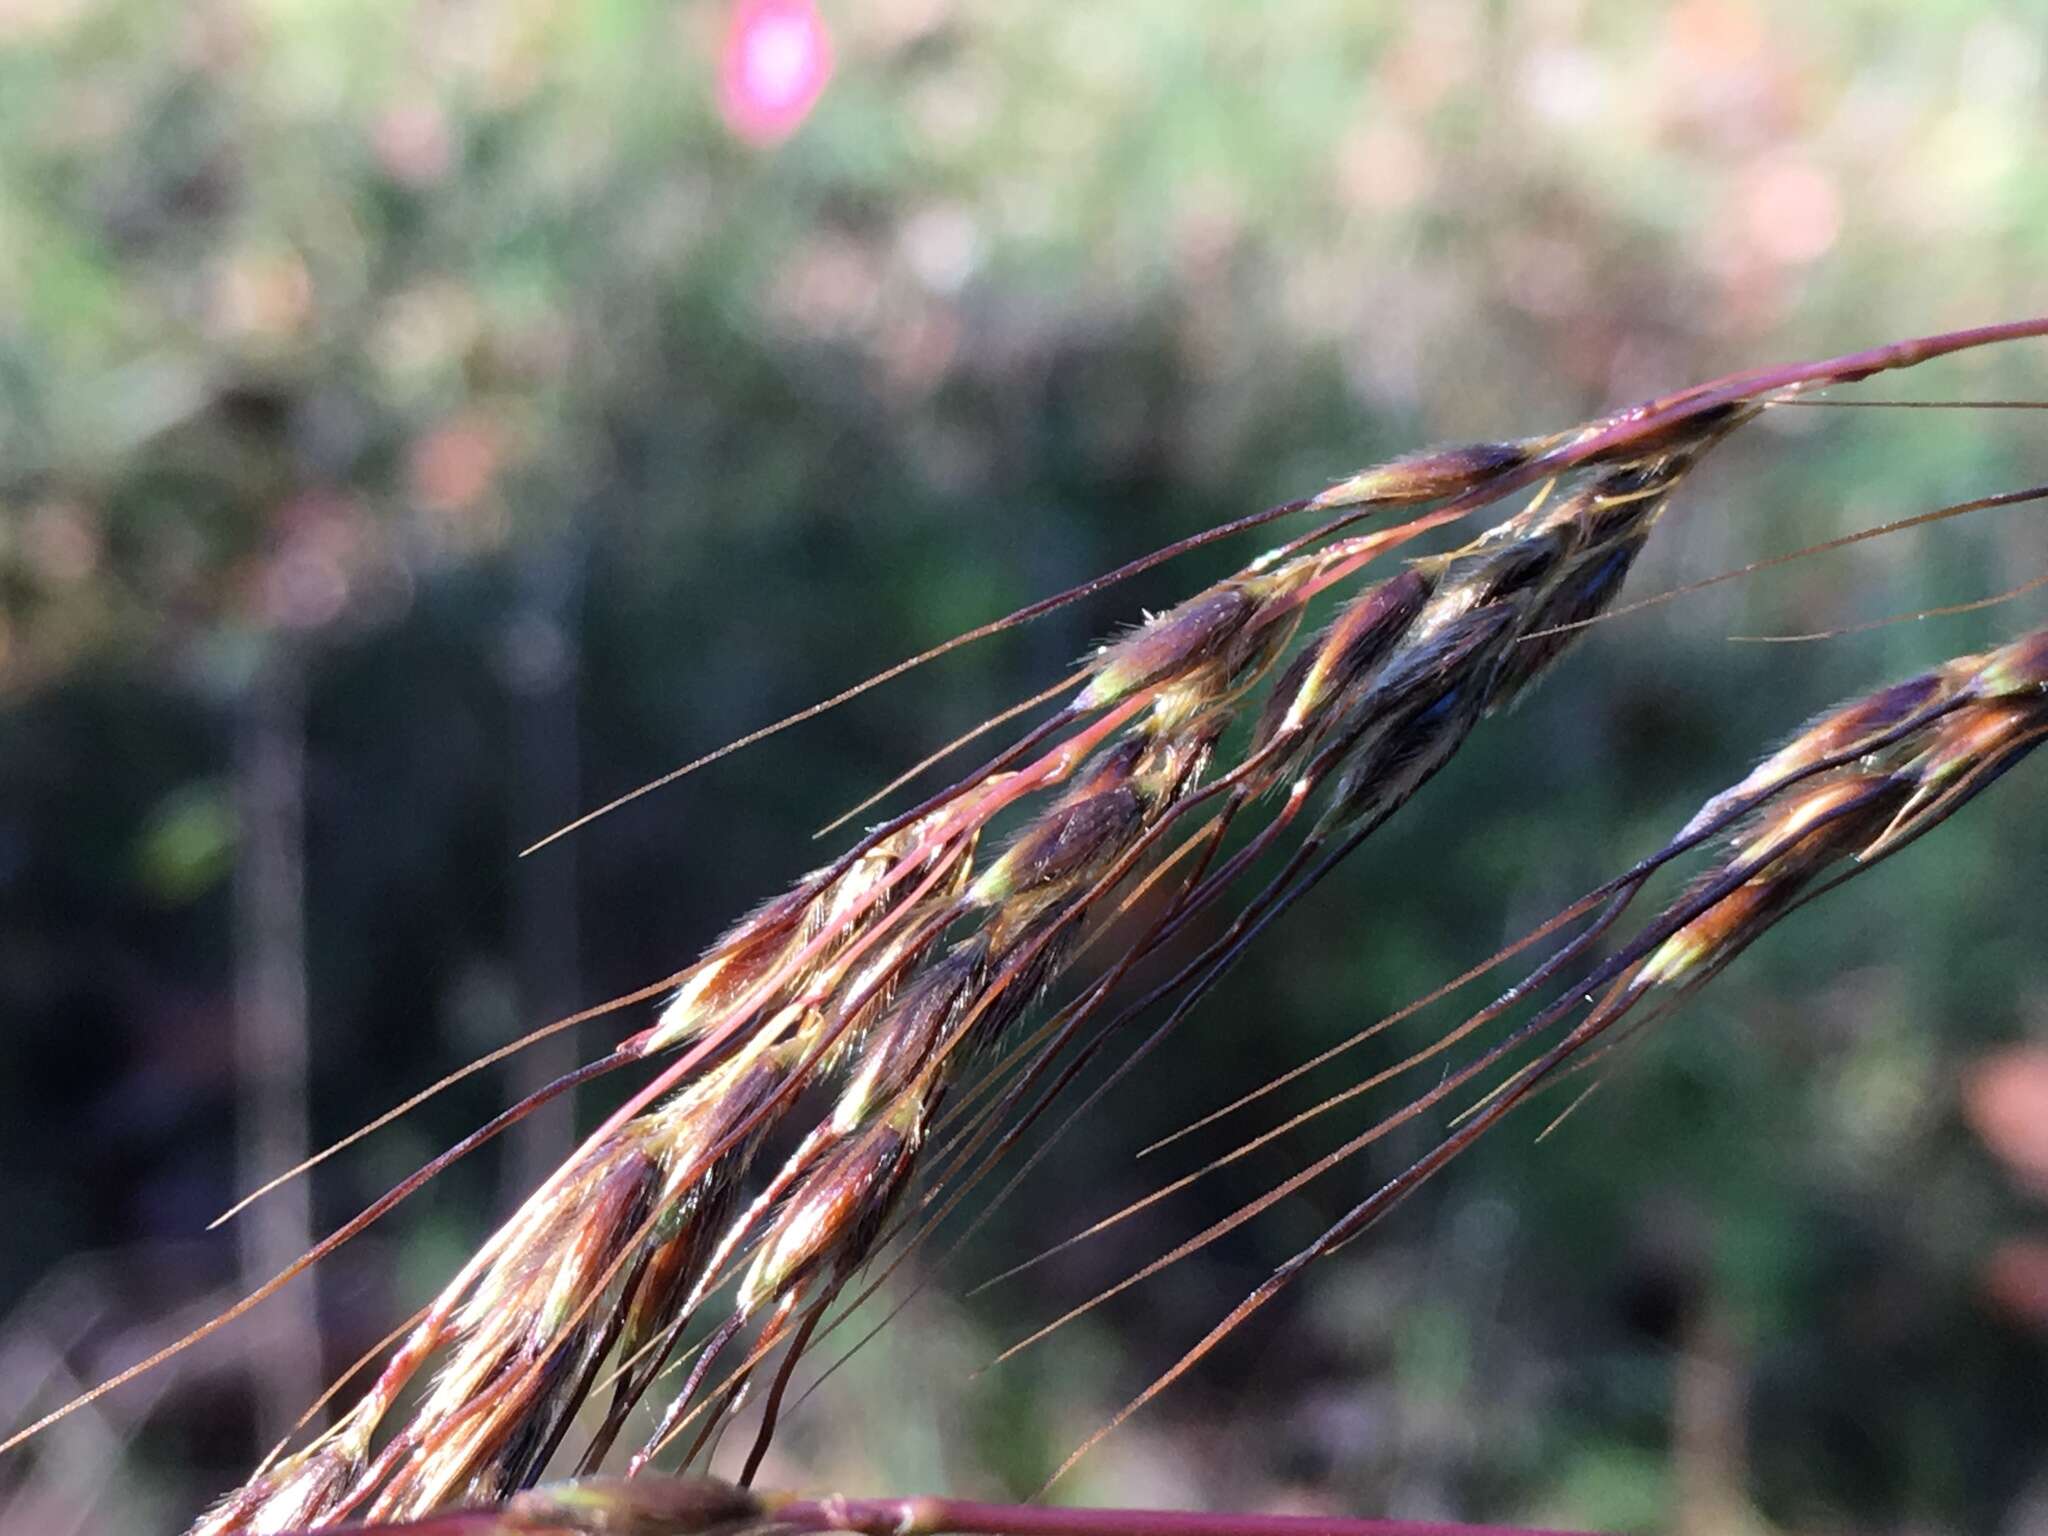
<point x="418" y="422"/>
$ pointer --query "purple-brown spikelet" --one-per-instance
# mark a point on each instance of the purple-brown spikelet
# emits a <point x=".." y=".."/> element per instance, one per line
<point x="1351" y="648"/>
<point x="1429" y="474"/>
<point x="1170" y="646"/>
<point x="838" y="1213"/>
<point x="903" y="1042"/>
<point x="700" y="1190"/>
<point x="1417" y="712"/>
<point x="521" y="1338"/>
<point x="1067" y="842"/>
<point x="1834" y="733"/>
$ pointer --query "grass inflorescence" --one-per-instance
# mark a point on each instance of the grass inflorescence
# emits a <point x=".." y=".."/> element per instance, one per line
<point x="847" y="1062"/>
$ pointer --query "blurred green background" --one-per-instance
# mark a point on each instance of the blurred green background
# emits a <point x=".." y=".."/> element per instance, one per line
<point x="421" y="422"/>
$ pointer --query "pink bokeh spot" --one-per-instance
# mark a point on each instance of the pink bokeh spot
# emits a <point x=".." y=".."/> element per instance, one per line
<point x="776" y="62"/>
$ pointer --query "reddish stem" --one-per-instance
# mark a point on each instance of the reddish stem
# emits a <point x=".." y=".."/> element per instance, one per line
<point x="920" y="1516"/>
<point x="928" y="1516"/>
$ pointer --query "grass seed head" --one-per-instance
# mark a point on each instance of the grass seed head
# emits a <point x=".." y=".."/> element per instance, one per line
<point x="859" y="978"/>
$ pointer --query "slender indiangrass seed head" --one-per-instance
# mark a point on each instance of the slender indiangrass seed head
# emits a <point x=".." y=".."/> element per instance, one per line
<point x="874" y="983"/>
<point x="837" y="980"/>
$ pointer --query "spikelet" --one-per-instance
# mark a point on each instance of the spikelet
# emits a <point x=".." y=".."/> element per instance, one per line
<point x="300" y="1490"/>
<point x="1430" y="474"/>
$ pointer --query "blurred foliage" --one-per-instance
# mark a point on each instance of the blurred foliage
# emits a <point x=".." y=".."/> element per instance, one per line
<point x="461" y="352"/>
